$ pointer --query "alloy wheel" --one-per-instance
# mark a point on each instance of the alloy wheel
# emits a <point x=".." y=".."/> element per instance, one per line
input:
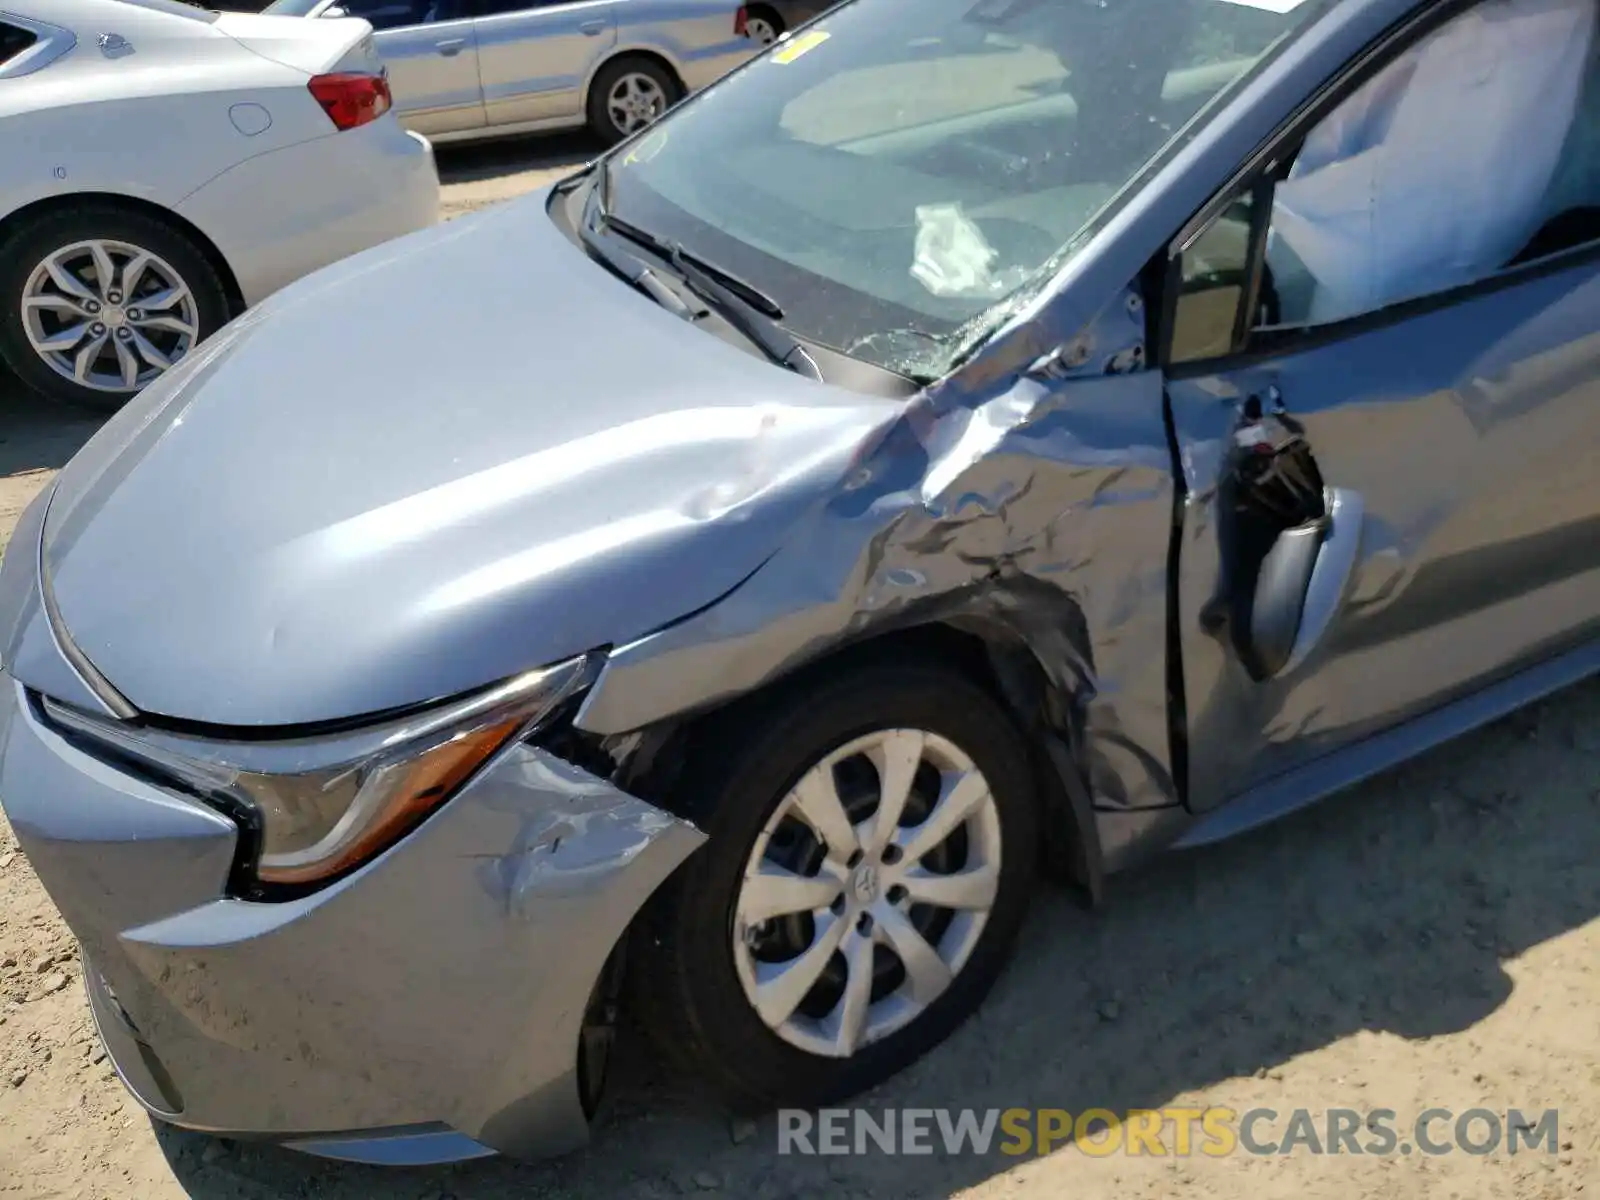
<point x="760" y="30"/>
<point x="108" y="315"/>
<point x="634" y="101"/>
<point x="867" y="891"/>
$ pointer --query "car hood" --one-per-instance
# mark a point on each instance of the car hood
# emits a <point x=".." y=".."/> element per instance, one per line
<point x="454" y="457"/>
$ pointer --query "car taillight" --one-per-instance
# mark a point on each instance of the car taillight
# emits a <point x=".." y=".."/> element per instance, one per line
<point x="741" y="22"/>
<point x="352" y="99"/>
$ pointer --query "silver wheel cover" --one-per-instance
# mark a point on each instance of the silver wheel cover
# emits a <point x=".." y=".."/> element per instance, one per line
<point x="108" y="315"/>
<point x="634" y="101"/>
<point x="849" y="938"/>
<point x="760" y="30"/>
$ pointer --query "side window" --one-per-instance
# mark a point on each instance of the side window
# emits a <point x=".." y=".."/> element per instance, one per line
<point x="393" y="14"/>
<point x="13" y="41"/>
<point x="1475" y="149"/>
<point x="493" y="8"/>
<point x="1216" y="276"/>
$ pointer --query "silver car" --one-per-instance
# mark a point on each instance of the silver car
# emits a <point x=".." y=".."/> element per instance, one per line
<point x="466" y="69"/>
<point x="923" y="460"/>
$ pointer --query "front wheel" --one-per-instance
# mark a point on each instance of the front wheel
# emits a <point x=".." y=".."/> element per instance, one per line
<point x="871" y="850"/>
<point x="99" y="301"/>
<point x="629" y="94"/>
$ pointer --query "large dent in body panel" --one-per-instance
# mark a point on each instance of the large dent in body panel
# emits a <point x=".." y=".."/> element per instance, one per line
<point x="426" y="549"/>
<point x="564" y="850"/>
<point x="447" y="981"/>
<point x="1039" y="501"/>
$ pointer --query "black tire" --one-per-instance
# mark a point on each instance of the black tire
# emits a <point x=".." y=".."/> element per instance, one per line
<point x="684" y="982"/>
<point x="32" y="243"/>
<point x="607" y="79"/>
<point x="762" y="13"/>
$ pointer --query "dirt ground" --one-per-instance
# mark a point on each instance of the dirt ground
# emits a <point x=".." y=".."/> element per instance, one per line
<point x="1429" y="940"/>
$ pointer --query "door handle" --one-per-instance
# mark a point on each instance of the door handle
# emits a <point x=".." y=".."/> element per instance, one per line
<point x="594" y="28"/>
<point x="450" y="47"/>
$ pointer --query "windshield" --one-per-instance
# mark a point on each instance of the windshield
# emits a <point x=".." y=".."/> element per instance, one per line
<point x="894" y="176"/>
<point x="290" y="8"/>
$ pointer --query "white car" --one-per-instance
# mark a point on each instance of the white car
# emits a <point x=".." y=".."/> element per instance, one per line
<point x="163" y="167"/>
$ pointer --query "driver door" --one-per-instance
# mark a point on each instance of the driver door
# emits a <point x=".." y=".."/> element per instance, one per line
<point x="1392" y="524"/>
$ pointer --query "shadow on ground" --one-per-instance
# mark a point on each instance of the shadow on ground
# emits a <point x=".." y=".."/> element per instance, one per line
<point x="36" y="435"/>
<point x="1391" y="909"/>
<point x="476" y="162"/>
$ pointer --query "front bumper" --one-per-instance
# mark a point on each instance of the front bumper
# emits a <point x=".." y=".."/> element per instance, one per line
<point x="427" y="1007"/>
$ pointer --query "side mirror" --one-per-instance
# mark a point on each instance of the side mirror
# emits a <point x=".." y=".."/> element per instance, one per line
<point x="1302" y="584"/>
<point x="1289" y="543"/>
<point x="1280" y="598"/>
<point x="337" y="10"/>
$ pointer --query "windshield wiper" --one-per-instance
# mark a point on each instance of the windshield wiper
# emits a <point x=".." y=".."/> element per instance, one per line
<point x="634" y="273"/>
<point x="747" y="292"/>
<point x="751" y="312"/>
<point x="732" y="307"/>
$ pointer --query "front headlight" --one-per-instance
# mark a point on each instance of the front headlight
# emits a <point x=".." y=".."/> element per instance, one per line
<point x="324" y="805"/>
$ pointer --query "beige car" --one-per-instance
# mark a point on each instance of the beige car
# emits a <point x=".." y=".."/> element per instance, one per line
<point x="468" y="69"/>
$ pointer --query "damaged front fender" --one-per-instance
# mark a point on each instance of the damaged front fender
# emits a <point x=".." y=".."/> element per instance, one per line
<point x="1037" y="501"/>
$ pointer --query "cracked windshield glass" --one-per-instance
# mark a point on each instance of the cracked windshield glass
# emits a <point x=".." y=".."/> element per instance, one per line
<point x="895" y="173"/>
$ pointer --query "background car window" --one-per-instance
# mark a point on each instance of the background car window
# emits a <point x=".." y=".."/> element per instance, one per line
<point x="13" y="41"/>
<point x="391" y="14"/>
<point x="493" y="8"/>
<point x="1472" y="150"/>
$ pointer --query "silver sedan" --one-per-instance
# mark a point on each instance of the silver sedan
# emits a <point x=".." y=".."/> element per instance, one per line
<point x="467" y="69"/>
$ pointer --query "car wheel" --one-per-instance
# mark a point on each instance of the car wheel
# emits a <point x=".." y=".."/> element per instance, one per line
<point x="629" y="94"/>
<point x="763" y="26"/>
<point x="871" y="848"/>
<point x="99" y="301"/>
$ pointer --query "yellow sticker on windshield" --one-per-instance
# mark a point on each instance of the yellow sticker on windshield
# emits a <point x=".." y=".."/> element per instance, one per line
<point x="792" y="48"/>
